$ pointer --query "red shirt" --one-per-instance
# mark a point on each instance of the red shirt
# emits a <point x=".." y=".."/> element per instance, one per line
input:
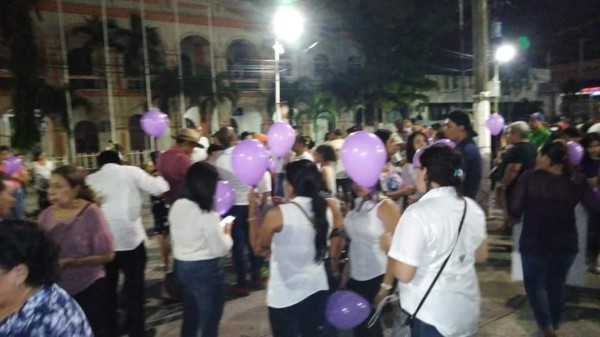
<point x="173" y="165"/>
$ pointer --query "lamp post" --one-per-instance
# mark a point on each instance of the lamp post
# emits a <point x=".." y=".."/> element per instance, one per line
<point x="504" y="53"/>
<point x="288" y="24"/>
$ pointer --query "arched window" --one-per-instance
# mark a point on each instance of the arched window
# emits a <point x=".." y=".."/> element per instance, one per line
<point x="321" y="62"/>
<point x="86" y="137"/>
<point x="195" y="55"/>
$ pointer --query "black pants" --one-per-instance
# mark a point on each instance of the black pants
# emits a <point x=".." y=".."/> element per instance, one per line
<point x="367" y="289"/>
<point x="92" y="301"/>
<point x="43" y="202"/>
<point x="132" y="263"/>
<point x="301" y="319"/>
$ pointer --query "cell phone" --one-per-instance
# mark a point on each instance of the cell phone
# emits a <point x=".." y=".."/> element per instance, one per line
<point x="226" y="220"/>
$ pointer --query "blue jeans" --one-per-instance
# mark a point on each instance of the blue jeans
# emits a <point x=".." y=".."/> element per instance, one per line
<point x="422" y="329"/>
<point x="203" y="291"/>
<point x="301" y="319"/>
<point x="545" y="278"/>
<point x="240" y="236"/>
<point x="18" y="211"/>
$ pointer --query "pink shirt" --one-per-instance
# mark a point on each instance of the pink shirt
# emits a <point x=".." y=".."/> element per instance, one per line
<point x="84" y="235"/>
<point x="173" y="165"/>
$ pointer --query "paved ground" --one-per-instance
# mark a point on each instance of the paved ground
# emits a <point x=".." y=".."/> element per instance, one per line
<point x="505" y="311"/>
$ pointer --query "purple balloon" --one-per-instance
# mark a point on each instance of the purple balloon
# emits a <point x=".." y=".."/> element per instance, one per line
<point x="250" y="161"/>
<point x="346" y="310"/>
<point x="446" y="142"/>
<point x="363" y="156"/>
<point x="154" y="123"/>
<point x="11" y="165"/>
<point x="281" y="137"/>
<point x="417" y="158"/>
<point x="224" y="197"/>
<point x="575" y="152"/>
<point x="495" y="123"/>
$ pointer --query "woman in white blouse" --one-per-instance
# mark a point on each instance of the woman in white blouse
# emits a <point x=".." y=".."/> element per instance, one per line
<point x="370" y="275"/>
<point x="295" y="235"/>
<point x="426" y="235"/>
<point x="199" y="243"/>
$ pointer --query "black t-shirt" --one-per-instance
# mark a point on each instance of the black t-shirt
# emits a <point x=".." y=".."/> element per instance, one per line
<point x="523" y="153"/>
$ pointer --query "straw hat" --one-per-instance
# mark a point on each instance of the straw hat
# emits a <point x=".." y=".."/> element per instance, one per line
<point x="189" y="135"/>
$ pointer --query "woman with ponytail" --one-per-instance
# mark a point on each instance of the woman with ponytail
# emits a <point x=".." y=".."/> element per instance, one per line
<point x="295" y="235"/>
<point x="79" y="227"/>
<point x="546" y="198"/>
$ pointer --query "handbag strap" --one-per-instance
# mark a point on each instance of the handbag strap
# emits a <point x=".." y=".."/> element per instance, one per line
<point x="312" y="221"/>
<point x="462" y="221"/>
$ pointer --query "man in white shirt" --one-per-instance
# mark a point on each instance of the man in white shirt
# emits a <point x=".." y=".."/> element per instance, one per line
<point x="200" y="153"/>
<point x="120" y="190"/>
<point x="227" y="139"/>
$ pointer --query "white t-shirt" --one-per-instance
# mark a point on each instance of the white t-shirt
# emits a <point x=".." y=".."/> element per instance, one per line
<point x="200" y="154"/>
<point x="424" y="238"/>
<point x="306" y="155"/>
<point x="196" y="234"/>
<point x="41" y="174"/>
<point x="364" y="228"/>
<point x="294" y="273"/>
<point x="225" y="169"/>
<point x="340" y="171"/>
<point x="330" y="183"/>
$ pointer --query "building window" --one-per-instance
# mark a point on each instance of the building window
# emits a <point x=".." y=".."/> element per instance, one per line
<point x="321" y="65"/>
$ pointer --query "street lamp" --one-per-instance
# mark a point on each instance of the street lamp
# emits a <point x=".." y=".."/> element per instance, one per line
<point x="288" y="24"/>
<point x="504" y="53"/>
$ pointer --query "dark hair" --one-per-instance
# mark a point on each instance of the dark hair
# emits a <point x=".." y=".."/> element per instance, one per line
<point x="338" y="132"/>
<point x="326" y="152"/>
<point x="213" y="148"/>
<point x="23" y="242"/>
<point x="300" y="140"/>
<point x="557" y="152"/>
<point x="4" y="148"/>
<point x="200" y="184"/>
<point x="587" y="140"/>
<point x="309" y="142"/>
<point x="306" y="180"/>
<point x="571" y="132"/>
<point x="245" y="134"/>
<point x="37" y="154"/>
<point x="443" y="166"/>
<point x="384" y="135"/>
<point x="436" y="126"/>
<point x="108" y="157"/>
<point x="154" y="156"/>
<point x="410" y="146"/>
<point x="75" y="177"/>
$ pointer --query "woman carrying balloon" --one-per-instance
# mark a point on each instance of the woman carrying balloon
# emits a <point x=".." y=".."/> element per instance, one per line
<point x="370" y="274"/>
<point x="442" y="234"/>
<point x="295" y="235"/>
<point x="199" y="244"/>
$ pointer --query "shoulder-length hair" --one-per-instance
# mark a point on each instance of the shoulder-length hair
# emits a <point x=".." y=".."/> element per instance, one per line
<point x="200" y="184"/>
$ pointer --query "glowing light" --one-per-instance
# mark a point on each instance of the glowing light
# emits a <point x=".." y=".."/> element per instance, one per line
<point x="288" y="24"/>
<point x="505" y="53"/>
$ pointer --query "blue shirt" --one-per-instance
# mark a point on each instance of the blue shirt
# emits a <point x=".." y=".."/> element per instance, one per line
<point x="471" y="166"/>
<point x="49" y="312"/>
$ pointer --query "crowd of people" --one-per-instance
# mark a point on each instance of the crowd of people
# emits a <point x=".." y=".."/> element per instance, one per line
<point x="305" y="231"/>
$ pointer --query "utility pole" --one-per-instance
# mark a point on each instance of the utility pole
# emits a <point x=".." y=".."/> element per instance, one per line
<point x="481" y="101"/>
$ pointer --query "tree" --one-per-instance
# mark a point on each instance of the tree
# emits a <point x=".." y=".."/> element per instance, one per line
<point x="17" y="31"/>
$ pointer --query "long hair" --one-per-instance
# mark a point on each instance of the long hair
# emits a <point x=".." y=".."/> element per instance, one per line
<point x="410" y="145"/>
<point x="444" y="167"/>
<point x="587" y="140"/>
<point x="558" y="154"/>
<point x="75" y="177"/>
<point x="306" y="180"/>
<point x="200" y="185"/>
